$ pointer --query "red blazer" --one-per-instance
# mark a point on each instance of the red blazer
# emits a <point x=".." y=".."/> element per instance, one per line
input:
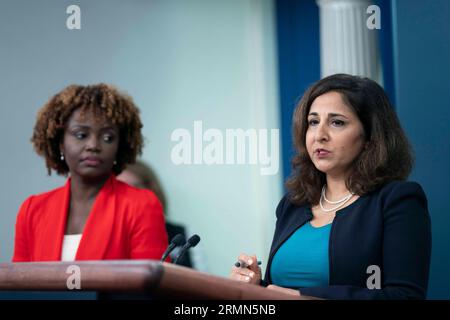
<point x="124" y="223"/>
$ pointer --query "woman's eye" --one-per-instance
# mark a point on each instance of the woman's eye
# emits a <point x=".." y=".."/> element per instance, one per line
<point x="313" y="122"/>
<point x="80" y="135"/>
<point x="338" y="123"/>
<point x="108" y="138"/>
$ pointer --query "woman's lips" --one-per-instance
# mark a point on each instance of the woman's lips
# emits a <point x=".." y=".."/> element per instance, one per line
<point x="92" y="162"/>
<point x="322" y="153"/>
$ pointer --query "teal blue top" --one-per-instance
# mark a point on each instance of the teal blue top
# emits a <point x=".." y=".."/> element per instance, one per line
<point x="302" y="261"/>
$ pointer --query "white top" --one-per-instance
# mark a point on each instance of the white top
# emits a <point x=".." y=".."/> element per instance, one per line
<point x="70" y="246"/>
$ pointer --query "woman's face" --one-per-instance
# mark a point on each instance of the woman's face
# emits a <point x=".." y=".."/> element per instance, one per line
<point x="335" y="135"/>
<point x="89" y="145"/>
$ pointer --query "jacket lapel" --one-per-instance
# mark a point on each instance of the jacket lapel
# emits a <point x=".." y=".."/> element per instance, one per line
<point x="296" y="219"/>
<point x="99" y="225"/>
<point x="54" y="225"/>
<point x="289" y="224"/>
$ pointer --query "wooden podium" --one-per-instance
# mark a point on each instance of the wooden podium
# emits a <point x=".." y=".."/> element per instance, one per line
<point x="157" y="280"/>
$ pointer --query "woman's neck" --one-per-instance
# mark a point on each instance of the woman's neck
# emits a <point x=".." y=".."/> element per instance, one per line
<point x="336" y="188"/>
<point x="85" y="189"/>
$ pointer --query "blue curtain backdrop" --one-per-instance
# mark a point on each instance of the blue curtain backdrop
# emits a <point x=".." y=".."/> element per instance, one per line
<point x="298" y="62"/>
<point x="422" y="78"/>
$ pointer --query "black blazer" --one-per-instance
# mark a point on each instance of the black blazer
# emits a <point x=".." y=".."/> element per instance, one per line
<point x="389" y="227"/>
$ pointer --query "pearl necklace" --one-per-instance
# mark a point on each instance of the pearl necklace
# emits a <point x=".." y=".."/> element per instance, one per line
<point x="339" y="202"/>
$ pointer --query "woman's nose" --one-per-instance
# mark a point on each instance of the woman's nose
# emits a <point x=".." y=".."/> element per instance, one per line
<point x="321" y="133"/>
<point x="93" y="143"/>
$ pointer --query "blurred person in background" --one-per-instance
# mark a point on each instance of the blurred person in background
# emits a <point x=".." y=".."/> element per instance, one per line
<point x="141" y="175"/>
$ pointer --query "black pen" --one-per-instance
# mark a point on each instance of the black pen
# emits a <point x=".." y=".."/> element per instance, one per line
<point x="242" y="264"/>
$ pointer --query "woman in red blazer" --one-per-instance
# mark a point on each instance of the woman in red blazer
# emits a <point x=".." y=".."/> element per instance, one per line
<point x="89" y="133"/>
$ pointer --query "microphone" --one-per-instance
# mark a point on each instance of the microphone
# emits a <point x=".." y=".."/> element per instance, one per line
<point x="176" y="241"/>
<point x="191" y="242"/>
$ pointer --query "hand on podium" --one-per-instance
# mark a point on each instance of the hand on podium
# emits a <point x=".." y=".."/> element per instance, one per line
<point x="248" y="271"/>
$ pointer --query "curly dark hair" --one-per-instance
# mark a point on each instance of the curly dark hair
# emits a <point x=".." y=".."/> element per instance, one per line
<point x="106" y="103"/>
<point x="386" y="157"/>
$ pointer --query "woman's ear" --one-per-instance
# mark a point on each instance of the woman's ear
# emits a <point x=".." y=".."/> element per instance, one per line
<point x="61" y="151"/>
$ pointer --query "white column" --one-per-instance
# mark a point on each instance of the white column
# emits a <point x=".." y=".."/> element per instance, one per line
<point x="347" y="45"/>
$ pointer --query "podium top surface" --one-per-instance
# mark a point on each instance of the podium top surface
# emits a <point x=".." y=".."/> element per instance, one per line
<point x="162" y="280"/>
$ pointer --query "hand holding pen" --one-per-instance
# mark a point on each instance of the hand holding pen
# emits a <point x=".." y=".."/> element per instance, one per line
<point x="243" y="264"/>
<point x="246" y="269"/>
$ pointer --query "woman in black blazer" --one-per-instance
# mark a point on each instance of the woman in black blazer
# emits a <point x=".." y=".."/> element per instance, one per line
<point x="351" y="226"/>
